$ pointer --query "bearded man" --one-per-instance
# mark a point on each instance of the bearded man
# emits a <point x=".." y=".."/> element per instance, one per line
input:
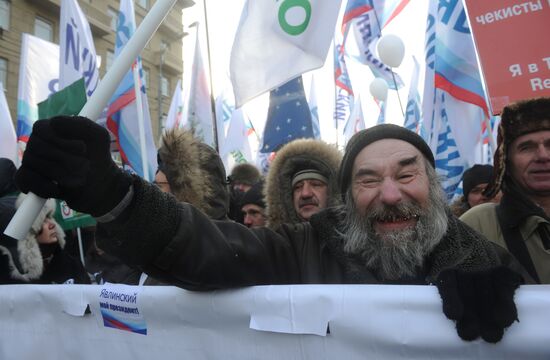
<point x="393" y="229"/>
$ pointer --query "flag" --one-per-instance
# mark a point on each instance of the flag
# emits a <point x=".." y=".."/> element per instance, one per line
<point x="77" y="51"/>
<point x="366" y="25"/>
<point x="451" y="66"/>
<point x="382" y="114"/>
<point x="412" y="113"/>
<point x="240" y="141"/>
<point x="277" y="41"/>
<point x="174" y="118"/>
<point x="38" y="78"/>
<point x="448" y="162"/>
<point x="314" y="109"/>
<point x="8" y="139"/>
<point x="356" y="121"/>
<point x="344" y="92"/>
<point x="197" y="101"/>
<point x="224" y="110"/>
<point x="122" y="113"/>
<point x="288" y="116"/>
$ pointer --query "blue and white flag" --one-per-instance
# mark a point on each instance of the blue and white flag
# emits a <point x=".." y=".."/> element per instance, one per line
<point x="122" y="115"/>
<point x="288" y="116"/>
<point x="77" y="51"/>
<point x="448" y="162"/>
<point x="174" y="119"/>
<point x="314" y="109"/>
<point x="277" y="41"/>
<point x="356" y="121"/>
<point x="412" y="113"/>
<point x="8" y="139"/>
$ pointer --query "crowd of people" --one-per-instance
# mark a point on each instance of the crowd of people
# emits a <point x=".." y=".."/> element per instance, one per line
<point x="374" y="214"/>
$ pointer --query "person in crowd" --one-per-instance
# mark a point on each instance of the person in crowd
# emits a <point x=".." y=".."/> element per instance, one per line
<point x="301" y="181"/>
<point x="193" y="172"/>
<point x="241" y="179"/>
<point x="394" y="226"/>
<point x="253" y="206"/>
<point x="8" y="190"/>
<point x="40" y="258"/>
<point x="474" y="182"/>
<point x="521" y="222"/>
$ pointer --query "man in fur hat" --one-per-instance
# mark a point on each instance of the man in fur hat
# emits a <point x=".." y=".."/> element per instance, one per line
<point x="302" y="180"/>
<point x="521" y="223"/>
<point x="242" y="178"/>
<point x="394" y="226"/>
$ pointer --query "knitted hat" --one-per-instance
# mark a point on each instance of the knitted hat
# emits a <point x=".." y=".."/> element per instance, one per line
<point x="254" y="195"/>
<point x="517" y="119"/>
<point x="477" y="174"/>
<point x="245" y="174"/>
<point x="368" y="136"/>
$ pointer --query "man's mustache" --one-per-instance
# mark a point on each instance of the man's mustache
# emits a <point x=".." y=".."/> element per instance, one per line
<point x="307" y="202"/>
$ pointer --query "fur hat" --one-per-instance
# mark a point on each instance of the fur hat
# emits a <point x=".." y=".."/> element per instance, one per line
<point x="368" y="136"/>
<point x="517" y="119"/>
<point x="295" y="156"/>
<point x="245" y="174"/>
<point x="28" y="250"/>
<point x="477" y="174"/>
<point x="194" y="171"/>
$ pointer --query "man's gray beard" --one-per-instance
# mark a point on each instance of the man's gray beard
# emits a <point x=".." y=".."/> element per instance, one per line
<point x="399" y="253"/>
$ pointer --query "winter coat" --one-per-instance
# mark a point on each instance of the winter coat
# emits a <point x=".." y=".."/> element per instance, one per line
<point x="295" y="156"/>
<point x="176" y="243"/>
<point x="27" y="261"/>
<point x="195" y="172"/>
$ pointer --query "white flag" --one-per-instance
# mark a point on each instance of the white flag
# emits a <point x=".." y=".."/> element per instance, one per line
<point x="8" y="140"/>
<point x="38" y="79"/>
<point x="197" y="102"/>
<point x="278" y="40"/>
<point x="174" y="117"/>
<point x="356" y="120"/>
<point x="77" y="51"/>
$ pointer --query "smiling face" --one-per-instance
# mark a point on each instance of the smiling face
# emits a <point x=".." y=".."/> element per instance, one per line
<point x="386" y="173"/>
<point x="394" y="209"/>
<point x="529" y="157"/>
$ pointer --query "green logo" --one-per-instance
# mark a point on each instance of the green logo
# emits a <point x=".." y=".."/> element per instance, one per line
<point x="294" y="29"/>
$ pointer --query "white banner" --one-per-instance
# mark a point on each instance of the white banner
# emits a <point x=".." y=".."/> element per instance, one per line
<point x="264" y="322"/>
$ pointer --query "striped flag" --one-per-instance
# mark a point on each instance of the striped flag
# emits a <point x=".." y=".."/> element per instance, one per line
<point x="356" y="121"/>
<point x="122" y="114"/>
<point x="412" y="113"/>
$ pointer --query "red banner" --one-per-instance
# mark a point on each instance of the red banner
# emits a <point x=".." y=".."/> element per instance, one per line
<point x="512" y="39"/>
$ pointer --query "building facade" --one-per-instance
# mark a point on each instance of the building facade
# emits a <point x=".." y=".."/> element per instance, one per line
<point x="162" y="57"/>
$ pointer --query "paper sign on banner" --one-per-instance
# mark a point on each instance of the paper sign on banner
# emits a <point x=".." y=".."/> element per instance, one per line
<point x="119" y="307"/>
<point x="511" y="39"/>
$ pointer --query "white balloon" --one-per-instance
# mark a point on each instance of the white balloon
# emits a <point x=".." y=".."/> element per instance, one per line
<point x="379" y="89"/>
<point x="391" y="50"/>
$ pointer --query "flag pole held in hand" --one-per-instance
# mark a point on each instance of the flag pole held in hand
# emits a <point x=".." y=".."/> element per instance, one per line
<point x="21" y="222"/>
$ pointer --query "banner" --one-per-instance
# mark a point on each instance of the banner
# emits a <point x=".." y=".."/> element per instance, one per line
<point x="511" y="39"/>
<point x="277" y="41"/>
<point x="8" y="139"/>
<point x="263" y="322"/>
<point x="38" y="78"/>
<point x="77" y="51"/>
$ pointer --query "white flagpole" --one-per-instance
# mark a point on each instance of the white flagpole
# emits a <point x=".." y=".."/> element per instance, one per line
<point x="142" y="143"/>
<point x="30" y="208"/>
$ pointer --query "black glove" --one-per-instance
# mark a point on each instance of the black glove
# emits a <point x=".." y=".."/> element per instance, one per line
<point x="68" y="158"/>
<point x="481" y="303"/>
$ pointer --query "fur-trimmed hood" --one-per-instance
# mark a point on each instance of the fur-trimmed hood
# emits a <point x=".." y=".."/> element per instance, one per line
<point x="194" y="171"/>
<point x="28" y="251"/>
<point x="298" y="155"/>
